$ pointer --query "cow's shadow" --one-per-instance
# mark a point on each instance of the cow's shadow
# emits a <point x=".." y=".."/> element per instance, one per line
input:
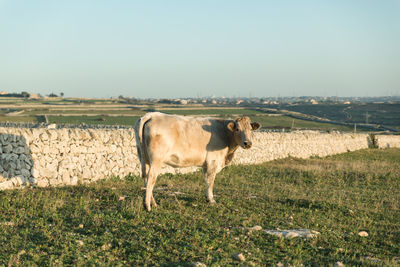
<point x="15" y="160"/>
<point x="220" y="135"/>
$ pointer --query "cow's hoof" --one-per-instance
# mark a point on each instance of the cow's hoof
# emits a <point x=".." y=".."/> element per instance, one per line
<point x="147" y="206"/>
<point x="212" y="202"/>
<point x="154" y="203"/>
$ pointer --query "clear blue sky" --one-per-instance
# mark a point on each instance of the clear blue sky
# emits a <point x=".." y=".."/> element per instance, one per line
<point x="200" y="48"/>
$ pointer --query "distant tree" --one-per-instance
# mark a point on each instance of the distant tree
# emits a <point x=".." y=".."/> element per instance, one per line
<point x="62" y="94"/>
<point x="165" y="101"/>
<point x="52" y="95"/>
<point x="25" y="94"/>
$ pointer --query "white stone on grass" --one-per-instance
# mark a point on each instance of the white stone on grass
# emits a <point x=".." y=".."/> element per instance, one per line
<point x="363" y="234"/>
<point x="303" y="233"/>
<point x="254" y="228"/>
<point x="197" y="264"/>
<point x="239" y="257"/>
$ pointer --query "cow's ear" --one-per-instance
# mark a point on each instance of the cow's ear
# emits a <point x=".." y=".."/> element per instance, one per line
<point x="255" y="126"/>
<point x="231" y="126"/>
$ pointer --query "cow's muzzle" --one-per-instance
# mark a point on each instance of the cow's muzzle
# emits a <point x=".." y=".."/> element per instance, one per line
<point x="247" y="144"/>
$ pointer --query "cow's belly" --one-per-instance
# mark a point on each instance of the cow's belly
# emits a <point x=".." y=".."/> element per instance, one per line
<point x="187" y="159"/>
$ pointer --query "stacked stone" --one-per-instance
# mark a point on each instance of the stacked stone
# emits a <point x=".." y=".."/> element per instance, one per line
<point x="386" y="141"/>
<point x="65" y="156"/>
<point x="15" y="162"/>
<point x="69" y="156"/>
<point x="301" y="144"/>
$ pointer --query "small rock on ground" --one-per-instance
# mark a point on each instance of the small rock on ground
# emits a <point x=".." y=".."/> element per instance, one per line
<point x="304" y="233"/>
<point x="197" y="264"/>
<point x="363" y="234"/>
<point x="239" y="257"/>
<point x="254" y="228"/>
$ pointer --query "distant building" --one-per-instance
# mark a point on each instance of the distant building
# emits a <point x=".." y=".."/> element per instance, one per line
<point x="35" y="96"/>
<point x="313" y="101"/>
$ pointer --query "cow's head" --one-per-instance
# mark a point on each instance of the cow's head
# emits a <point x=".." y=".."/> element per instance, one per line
<point x="241" y="129"/>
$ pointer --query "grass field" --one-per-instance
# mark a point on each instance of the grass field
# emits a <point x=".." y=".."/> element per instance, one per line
<point x="288" y="122"/>
<point x="267" y="122"/>
<point x="120" y="112"/>
<point x="376" y="113"/>
<point x="104" y="223"/>
<point x="211" y="111"/>
<point x="97" y="120"/>
<point x="31" y="119"/>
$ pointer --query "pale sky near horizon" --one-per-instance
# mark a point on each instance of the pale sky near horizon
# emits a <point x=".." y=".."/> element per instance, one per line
<point x="189" y="48"/>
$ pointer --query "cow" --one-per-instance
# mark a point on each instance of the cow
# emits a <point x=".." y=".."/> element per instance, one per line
<point x="183" y="141"/>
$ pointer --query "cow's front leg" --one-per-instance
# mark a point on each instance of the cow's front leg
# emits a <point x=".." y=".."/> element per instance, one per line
<point x="210" y="187"/>
<point x="210" y="171"/>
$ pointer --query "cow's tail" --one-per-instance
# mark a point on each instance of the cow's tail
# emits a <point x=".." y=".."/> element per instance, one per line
<point x="140" y="143"/>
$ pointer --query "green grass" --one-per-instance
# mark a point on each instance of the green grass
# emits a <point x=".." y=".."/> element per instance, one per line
<point x="339" y="196"/>
<point x="287" y="122"/>
<point x="32" y="119"/>
<point x="88" y="111"/>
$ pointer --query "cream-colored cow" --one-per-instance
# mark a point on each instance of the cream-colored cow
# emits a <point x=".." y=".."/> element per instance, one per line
<point x="181" y="141"/>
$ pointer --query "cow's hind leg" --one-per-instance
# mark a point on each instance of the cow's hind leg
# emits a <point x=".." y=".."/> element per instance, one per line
<point x="145" y="173"/>
<point x="151" y="180"/>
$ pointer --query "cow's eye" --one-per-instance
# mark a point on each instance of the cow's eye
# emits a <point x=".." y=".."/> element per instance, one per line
<point x="237" y="129"/>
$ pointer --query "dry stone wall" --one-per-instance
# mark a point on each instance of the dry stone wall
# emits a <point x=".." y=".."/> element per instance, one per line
<point x="303" y="144"/>
<point x="68" y="156"/>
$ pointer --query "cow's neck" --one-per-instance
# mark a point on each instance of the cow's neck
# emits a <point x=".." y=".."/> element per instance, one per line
<point x="232" y="148"/>
<point x="230" y="153"/>
<point x="231" y="144"/>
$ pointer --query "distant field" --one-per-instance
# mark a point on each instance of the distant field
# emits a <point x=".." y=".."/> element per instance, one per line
<point x="105" y="224"/>
<point x="107" y="120"/>
<point x="288" y="122"/>
<point x="268" y="122"/>
<point x="32" y="119"/>
<point x="386" y="114"/>
<point x="100" y="111"/>
<point x="218" y="112"/>
<point x="116" y="112"/>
